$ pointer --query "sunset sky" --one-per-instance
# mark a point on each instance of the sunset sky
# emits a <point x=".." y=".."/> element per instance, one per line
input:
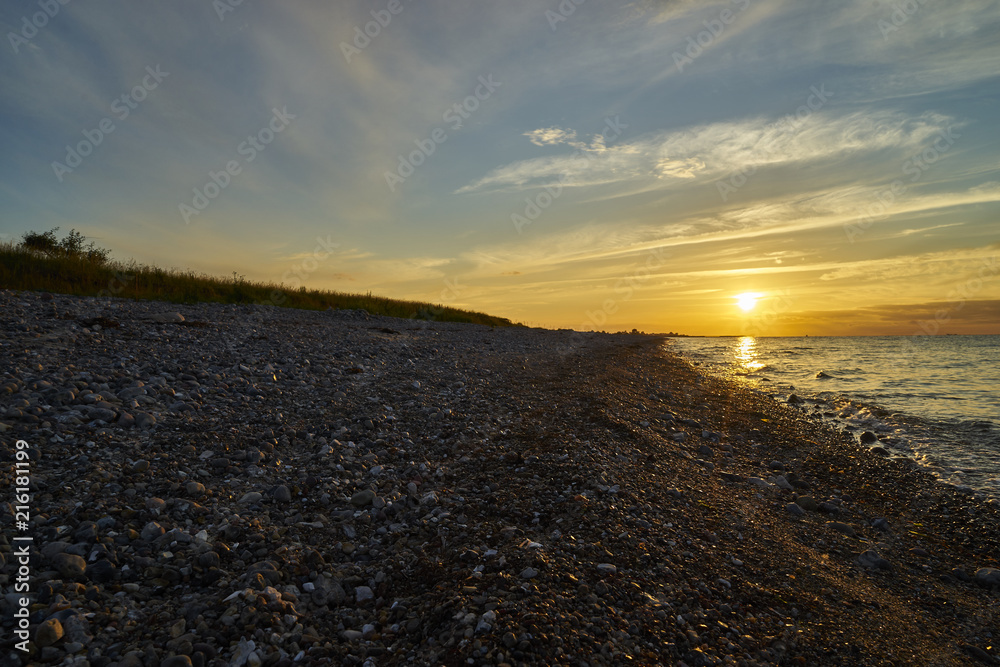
<point x="601" y="165"/>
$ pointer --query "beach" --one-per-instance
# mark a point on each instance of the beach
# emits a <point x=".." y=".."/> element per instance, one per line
<point x="214" y="484"/>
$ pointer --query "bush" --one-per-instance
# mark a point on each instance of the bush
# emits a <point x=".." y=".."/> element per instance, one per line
<point x="72" y="246"/>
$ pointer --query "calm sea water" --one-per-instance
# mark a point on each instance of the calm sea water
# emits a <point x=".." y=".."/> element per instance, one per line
<point x="933" y="398"/>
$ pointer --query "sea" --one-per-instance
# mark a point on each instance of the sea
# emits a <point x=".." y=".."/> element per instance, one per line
<point x="935" y="399"/>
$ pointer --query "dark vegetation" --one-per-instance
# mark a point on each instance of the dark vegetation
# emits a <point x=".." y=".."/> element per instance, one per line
<point x="42" y="262"/>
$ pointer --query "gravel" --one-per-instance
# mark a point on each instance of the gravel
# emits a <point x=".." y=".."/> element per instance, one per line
<point x="246" y="485"/>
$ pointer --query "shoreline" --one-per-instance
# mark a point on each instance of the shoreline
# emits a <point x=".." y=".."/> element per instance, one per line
<point x="336" y="488"/>
<point x="955" y="447"/>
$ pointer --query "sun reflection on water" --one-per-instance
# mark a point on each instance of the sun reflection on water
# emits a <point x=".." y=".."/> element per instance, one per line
<point x="745" y="354"/>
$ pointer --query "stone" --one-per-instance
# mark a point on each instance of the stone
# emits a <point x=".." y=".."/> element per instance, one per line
<point x="176" y="661"/>
<point x="363" y="497"/>
<point x="795" y="509"/>
<point x="142" y="465"/>
<point x="607" y="568"/>
<point x="251" y="498"/>
<point x="195" y="489"/>
<point x="69" y="565"/>
<point x="151" y="531"/>
<point x="101" y="572"/>
<point x="282" y="494"/>
<point x="529" y="573"/>
<point x="363" y="594"/>
<point x="48" y="632"/>
<point x="872" y="560"/>
<point x="841" y="527"/>
<point x="165" y="318"/>
<point x="868" y="438"/>
<point x="988" y="576"/>
<point x="144" y="420"/>
<point x="807" y="503"/>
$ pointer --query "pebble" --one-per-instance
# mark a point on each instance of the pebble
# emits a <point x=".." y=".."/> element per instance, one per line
<point x="529" y="573"/>
<point x="48" y="632"/>
<point x="841" y="527"/>
<point x="70" y="565"/>
<point x="873" y="560"/>
<point x="988" y="576"/>
<point x="251" y="498"/>
<point x="795" y="509"/>
<point x="363" y="498"/>
<point x="282" y="494"/>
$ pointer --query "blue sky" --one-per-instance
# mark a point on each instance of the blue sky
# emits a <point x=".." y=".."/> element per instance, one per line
<point x="592" y="166"/>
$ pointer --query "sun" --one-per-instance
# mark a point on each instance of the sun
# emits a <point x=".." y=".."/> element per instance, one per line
<point x="747" y="300"/>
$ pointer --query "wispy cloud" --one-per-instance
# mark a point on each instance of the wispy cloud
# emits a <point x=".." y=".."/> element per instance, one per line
<point x="666" y="159"/>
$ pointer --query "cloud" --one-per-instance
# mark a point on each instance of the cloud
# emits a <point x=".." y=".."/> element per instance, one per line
<point x="550" y="136"/>
<point x="665" y="159"/>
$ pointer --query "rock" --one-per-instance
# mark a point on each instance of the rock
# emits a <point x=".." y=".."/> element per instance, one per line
<point x="144" y="420"/>
<point x="509" y="640"/>
<point x="881" y="524"/>
<point x="679" y="436"/>
<point x="165" y="318"/>
<point x="872" y="560"/>
<point x="841" y="527"/>
<point x="151" y="531"/>
<point x="828" y="508"/>
<point x="793" y="399"/>
<point x="363" y="594"/>
<point x="607" y="568"/>
<point x="776" y="465"/>
<point x="807" y="503"/>
<point x="176" y="661"/>
<point x="195" y="489"/>
<point x="878" y="449"/>
<point x="251" y="498"/>
<point x="48" y="632"/>
<point x="142" y="465"/>
<point x="979" y="654"/>
<point x="282" y="494"/>
<point x="101" y="572"/>
<point x="795" y="510"/>
<point x="988" y="577"/>
<point x="363" y="497"/>
<point x="868" y="438"/>
<point x="529" y="573"/>
<point x="69" y="565"/>
<point x="705" y="450"/>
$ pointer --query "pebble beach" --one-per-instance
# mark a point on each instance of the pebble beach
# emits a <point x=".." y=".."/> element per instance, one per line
<point x="247" y="485"/>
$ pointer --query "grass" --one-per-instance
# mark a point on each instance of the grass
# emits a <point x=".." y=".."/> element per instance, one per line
<point x="22" y="268"/>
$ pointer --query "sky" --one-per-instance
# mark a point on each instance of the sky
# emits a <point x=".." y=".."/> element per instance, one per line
<point x="566" y="164"/>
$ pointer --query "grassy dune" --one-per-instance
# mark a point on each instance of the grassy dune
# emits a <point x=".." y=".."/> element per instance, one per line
<point x="22" y="268"/>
